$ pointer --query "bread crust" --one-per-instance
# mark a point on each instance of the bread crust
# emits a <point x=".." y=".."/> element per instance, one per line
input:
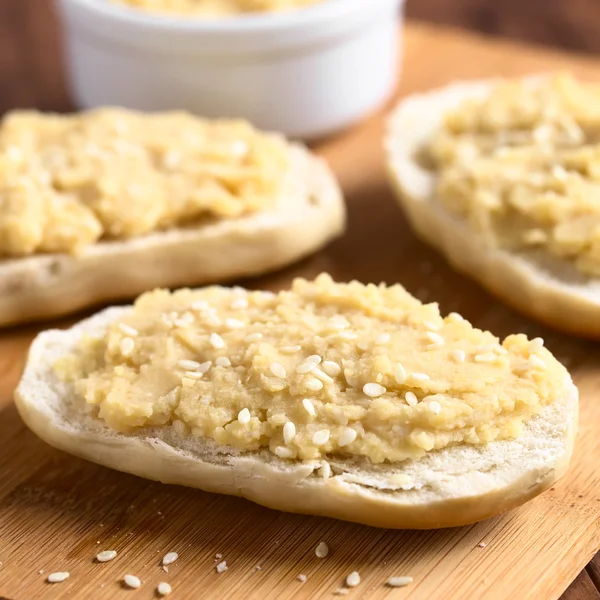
<point x="535" y="283"/>
<point x="450" y="487"/>
<point x="309" y="213"/>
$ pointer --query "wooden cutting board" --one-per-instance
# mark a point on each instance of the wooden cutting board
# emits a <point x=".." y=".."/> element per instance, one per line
<point x="57" y="512"/>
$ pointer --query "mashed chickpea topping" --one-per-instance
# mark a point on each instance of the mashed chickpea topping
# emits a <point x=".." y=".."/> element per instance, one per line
<point x="322" y="369"/>
<point x="522" y="164"/>
<point x="216" y="8"/>
<point x="69" y="181"/>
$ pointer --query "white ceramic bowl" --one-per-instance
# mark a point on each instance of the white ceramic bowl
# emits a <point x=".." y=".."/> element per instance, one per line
<point x="306" y="73"/>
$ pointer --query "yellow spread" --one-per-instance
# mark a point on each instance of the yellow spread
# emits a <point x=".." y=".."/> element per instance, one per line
<point x="322" y="369"/>
<point x="69" y="181"/>
<point x="522" y="165"/>
<point x="216" y="8"/>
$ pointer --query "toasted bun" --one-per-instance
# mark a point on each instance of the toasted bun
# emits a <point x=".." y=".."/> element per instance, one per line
<point x="309" y="212"/>
<point x="450" y="487"/>
<point x="534" y="282"/>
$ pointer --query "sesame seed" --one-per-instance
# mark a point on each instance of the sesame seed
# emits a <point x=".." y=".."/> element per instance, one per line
<point x="399" y="479"/>
<point x="399" y="581"/>
<point x="488" y="357"/>
<point x="106" y="555"/>
<point x="244" y="416"/>
<point x="290" y="349"/>
<point x="193" y="375"/>
<point x="322" y="550"/>
<point x="234" y="324"/>
<point x="314" y="385"/>
<point x="347" y="436"/>
<point x="419" y="376"/>
<point x="382" y="338"/>
<point x="128" y="329"/>
<point x="170" y="558"/>
<point x="373" y="390"/>
<point x="309" y="407"/>
<point x="253" y="337"/>
<point x="239" y="304"/>
<point x="411" y="399"/>
<point x="314" y="358"/>
<point x="431" y="325"/>
<point x="289" y="432"/>
<point x="325" y="469"/>
<point x="435" y="407"/>
<point x="347" y="335"/>
<point x="458" y="355"/>
<point x="217" y="341"/>
<point x="481" y="545"/>
<point x="399" y="374"/>
<point x="165" y="569"/>
<point x="132" y="581"/>
<point x="353" y="579"/>
<point x="338" y="323"/>
<point x="223" y="361"/>
<point x="322" y="375"/>
<point x="126" y="346"/>
<point x="200" y="305"/>
<point x="188" y="365"/>
<point x="305" y="367"/>
<point x="302" y="578"/>
<point x="321" y="437"/>
<point x="164" y="589"/>
<point x="536" y="362"/>
<point x="221" y="567"/>
<point x="204" y="367"/>
<point x="331" y="368"/>
<point x="536" y="345"/>
<point x="57" y="577"/>
<point x="455" y="317"/>
<point x="364" y="346"/>
<point x="435" y="338"/>
<point x="278" y="370"/>
<point x="284" y="452"/>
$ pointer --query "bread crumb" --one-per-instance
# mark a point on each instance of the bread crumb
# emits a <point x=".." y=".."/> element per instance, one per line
<point x="257" y="568"/>
<point x="341" y="591"/>
<point x="302" y="578"/>
<point x="165" y="568"/>
<point x="353" y="579"/>
<point x="322" y="550"/>
<point x="222" y="566"/>
<point x="481" y="545"/>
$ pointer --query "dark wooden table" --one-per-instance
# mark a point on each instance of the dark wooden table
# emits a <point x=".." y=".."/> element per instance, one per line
<point x="31" y="75"/>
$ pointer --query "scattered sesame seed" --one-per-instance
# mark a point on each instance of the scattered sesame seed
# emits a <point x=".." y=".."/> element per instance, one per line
<point x="290" y="349"/>
<point x="536" y="362"/>
<point x="435" y="338"/>
<point x="309" y="407"/>
<point x="239" y="304"/>
<point x="253" y="337"/>
<point x="278" y="370"/>
<point x="204" y="367"/>
<point x="399" y="373"/>
<point x="481" y="545"/>
<point x="431" y="325"/>
<point x="485" y="358"/>
<point x="399" y="581"/>
<point x="126" y="346"/>
<point x="244" y="416"/>
<point x="314" y="358"/>
<point x="193" y="375"/>
<point x="302" y="578"/>
<point x="314" y="385"/>
<point x="419" y="376"/>
<point x="347" y="436"/>
<point x="325" y="469"/>
<point x="321" y="437"/>
<point x="57" y="577"/>
<point x="373" y="390"/>
<point x="164" y="589"/>
<point x="284" y="452"/>
<point x="128" y="329"/>
<point x="106" y="555"/>
<point x="41" y="572"/>
<point x="347" y="335"/>
<point x="165" y="568"/>
<point x="382" y="338"/>
<point x="364" y="346"/>
<point x="353" y="579"/>
<point x="170" y="558"/>
<point x="221" y="567"/>
<point x="322" y="375"/>
<point x="200" y="305"/>
<point x="536" y="345"/>
<point x="411" y="399"/>
<point x="289" y="432"/>
<point x="217" y="341"/>
<point x="331" y="368"/>
<point x="188" y="365"/>
<point x="322" y="550"/>
<point x="223" y="361"/>
<point x="234" y="324"/>
<point x="458" y="355"/>
<point x="435" y="407"/>
<point x="132" y="581"/>
<point x="305" y="367"/>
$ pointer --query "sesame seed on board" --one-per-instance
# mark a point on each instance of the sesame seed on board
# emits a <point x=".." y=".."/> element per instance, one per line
<point x="164" y="589"/>
<point x="132" y="581"/>
<point x="57" y="577"/>
<point x="106" y="555"/>
<point x="322" y="550"/>
<point x="169" y="558"/>
<point x="353" y="579"/>
<point x="302" y="578"/>
<point x="399" y="581"/>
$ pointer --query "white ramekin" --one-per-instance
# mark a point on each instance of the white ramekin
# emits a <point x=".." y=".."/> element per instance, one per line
<point x="305" y="73"/>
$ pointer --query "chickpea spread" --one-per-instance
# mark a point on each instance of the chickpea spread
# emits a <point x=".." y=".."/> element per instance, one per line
<point x="522" y="165"/>
<point x="322" y="369"/>
<point x="69" y="181"/>
<point x="216" y="8"/>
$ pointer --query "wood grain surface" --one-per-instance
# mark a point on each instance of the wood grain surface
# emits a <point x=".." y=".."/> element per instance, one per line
<point x="57" y="512"/>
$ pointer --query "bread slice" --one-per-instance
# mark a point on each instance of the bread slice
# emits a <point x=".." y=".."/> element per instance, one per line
<point x="454" y="486"/>
<point x="534" y="282"/>
<point x="309" y="212"/>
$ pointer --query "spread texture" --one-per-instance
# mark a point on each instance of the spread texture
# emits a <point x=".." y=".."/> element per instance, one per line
<point x="322" y="369"/>
<point x="69" y="181"/>
<point x="522" y="165"/>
